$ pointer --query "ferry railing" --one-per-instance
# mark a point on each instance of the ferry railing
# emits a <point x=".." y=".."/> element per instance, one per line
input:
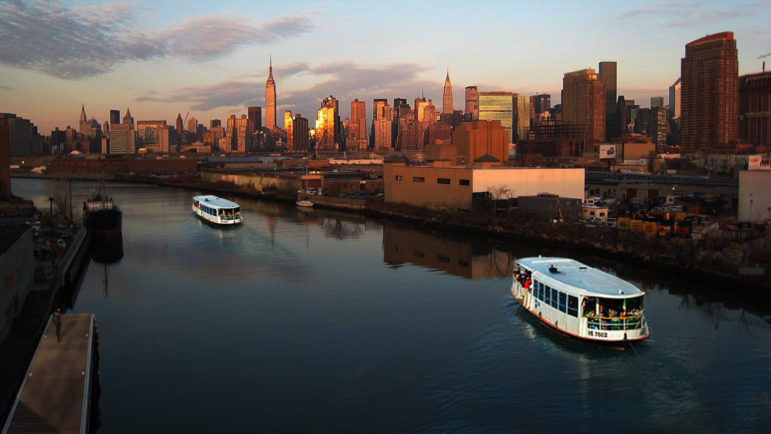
<point x="629" y="322"/>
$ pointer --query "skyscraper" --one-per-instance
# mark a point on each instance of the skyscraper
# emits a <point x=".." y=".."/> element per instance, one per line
<point x="608" y="73"/>
<point x="270" y="99"/>
<point x="540" y="103"/>
<point x="114" y="117"/>
<point x="180" y="127"/>
<point x="382" y="121"/>
<point x="472" y="103"/>
<point x="498" y="106"/>
<point x="755" y="108"/>
<point x="128" y="119"/>
<point x="521" y="125"/>
<point x="328" y="127"/>
<point x="357" y="133"/>
<point x="300" y="136"/>
<point x="289" y="128"/>
<point x="675" y="92"/>
<point x="255" y="119"/>
<point x="447" y="107"/>
<point x="583" y="107"/>
<point x="657" y="101"/>
<point x="710" y="91"/>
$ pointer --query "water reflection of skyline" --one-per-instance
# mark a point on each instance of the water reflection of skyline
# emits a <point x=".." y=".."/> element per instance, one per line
<point x="403" y="245"/>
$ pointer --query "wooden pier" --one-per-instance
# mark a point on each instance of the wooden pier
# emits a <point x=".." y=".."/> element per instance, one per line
<point x="55" y="395"/>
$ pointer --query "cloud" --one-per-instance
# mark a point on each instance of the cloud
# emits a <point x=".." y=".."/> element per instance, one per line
<point x="3" y="87"/>
<point x="682" y="14"/>
<point x="345" y="80"/>
<point x="77" y="42"/>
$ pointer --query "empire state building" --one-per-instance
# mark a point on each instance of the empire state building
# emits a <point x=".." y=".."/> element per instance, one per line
<point x="270" y="100"/>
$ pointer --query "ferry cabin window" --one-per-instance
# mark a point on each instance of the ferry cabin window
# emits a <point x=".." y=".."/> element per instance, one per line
<point x="547" y="295"/>
<point x="554" y="298"/>
<point x="563" y="301"/>
<point x="572" y="305"/>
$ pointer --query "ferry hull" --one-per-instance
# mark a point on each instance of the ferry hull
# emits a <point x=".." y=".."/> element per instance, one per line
<point x="582" y="332"/>
<point x="216" y="222"/>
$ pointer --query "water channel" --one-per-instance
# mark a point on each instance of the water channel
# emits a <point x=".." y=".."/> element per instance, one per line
<point x="313" y="320"/>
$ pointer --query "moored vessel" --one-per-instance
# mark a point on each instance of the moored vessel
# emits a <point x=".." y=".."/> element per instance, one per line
<point x="304" y="203"/>
<point x="580" y="301"/>
<point x="216" y="210"/>
<point x="102" y="217"/>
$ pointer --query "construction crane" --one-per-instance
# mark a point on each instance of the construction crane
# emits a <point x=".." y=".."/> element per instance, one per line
<point x="185" y="120"/>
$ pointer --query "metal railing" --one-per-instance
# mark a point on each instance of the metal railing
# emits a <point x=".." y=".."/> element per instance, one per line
<point x="614" y="323"/>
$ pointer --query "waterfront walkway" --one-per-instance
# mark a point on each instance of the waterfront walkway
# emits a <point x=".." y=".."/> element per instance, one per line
<point x="55" y="395"/>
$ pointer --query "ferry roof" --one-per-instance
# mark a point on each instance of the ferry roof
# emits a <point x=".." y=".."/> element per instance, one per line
<point x="216" y="201"/>
<point x="583" y="279"/>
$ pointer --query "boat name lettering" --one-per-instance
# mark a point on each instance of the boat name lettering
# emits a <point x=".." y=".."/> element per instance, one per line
<point x="598" y="334"/>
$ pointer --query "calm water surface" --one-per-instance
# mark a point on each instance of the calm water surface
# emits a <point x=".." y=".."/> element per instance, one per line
<point x="311" y="320"/>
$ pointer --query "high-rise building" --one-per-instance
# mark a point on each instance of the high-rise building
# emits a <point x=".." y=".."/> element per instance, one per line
<point x="755" y="108"/>
<point x="357" y="130"/>
<point x="122" y="139"/>
<point x="472" y="103"/>
<point x="521" y="124"/>
<point x="539" y="104"/>
<point x="128" y="119"/>
<point x="410" y="137"/>
<point x="270" y="99"/>
<point x="657" y="101"/>
<point x="153" y="135"/>
<point x="609" y="74"/>
<point x="328" y="126"/>
<point x="447" y="107"/>
<point x="289" y="128"/>
<point x="382" y="121"/>
<point x="114" y="117"/>
<point x="710" y="92"/>
<point x="300" y="134"/>
<point x="498" y="106"/>
<point x="675" y="92"/>
<point x="583" y="107"/>
<point x="255" y="119"/>
<point x="180" y="127"/>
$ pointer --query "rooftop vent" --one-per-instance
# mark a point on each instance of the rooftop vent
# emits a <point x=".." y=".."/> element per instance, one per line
<point x="553" y="269"/>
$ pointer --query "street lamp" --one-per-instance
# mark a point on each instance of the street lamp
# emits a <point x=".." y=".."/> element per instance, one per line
<point x="51" y="217"/>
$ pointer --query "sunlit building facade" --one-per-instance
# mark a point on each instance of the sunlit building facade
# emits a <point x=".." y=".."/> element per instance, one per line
<point x="498" y="106"/>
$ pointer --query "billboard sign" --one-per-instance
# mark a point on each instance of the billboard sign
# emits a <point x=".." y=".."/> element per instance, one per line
<point x="607" y="152"/>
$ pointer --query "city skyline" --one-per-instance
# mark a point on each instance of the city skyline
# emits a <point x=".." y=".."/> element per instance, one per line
<point x="213" y="62"/>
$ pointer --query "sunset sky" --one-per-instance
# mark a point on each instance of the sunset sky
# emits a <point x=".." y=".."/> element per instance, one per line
<point x="211" y="58"/>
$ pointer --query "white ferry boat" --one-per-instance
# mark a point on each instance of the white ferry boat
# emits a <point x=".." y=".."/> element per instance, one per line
<point x="580" y="301"/>
<point x="216" y="210"/>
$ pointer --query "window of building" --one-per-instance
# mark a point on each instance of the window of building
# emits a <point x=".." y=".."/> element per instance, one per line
<point x="398" y="178"/>
<point x="418" y="179"/>
<point x="443" y="181"/>
<point x="464" y="182"/>
<point x="443" y="258"/>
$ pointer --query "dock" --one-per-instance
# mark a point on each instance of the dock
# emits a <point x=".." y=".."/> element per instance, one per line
<point x="55" y="396"/>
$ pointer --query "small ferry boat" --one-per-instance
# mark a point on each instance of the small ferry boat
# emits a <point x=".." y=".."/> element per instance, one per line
<point x="580" y="301"/>
<point x="216" y="210"/>
<point x="304" y="203"/>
